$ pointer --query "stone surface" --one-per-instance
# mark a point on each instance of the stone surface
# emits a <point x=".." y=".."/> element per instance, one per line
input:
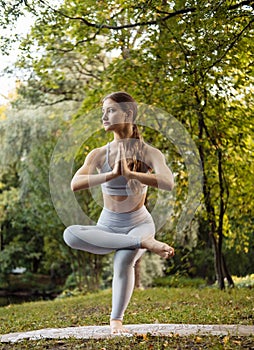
<point x="87" y="332"/>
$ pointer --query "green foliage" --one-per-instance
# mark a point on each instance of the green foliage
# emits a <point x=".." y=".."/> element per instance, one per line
<point x="246" y="282"/>
<point x="152" y="266"/>
<point x="178" y="281"/>
<point x="192" y="59"/>
<point x="31" y="232"/>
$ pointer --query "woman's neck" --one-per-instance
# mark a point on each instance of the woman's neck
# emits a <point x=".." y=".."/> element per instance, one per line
<point x="126" y="133"/>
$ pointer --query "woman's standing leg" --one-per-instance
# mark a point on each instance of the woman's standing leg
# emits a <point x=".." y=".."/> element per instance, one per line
<point x="123" y="280"/>
<point x="124" y="276"/>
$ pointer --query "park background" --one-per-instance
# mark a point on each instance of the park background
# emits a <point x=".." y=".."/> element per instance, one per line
<point x="191" y="59"/>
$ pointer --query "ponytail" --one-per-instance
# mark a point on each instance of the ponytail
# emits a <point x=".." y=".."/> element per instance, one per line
<point x="135" y="149"/>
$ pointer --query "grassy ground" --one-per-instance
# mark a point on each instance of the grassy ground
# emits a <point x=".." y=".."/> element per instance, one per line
<point x="158" y="305"/>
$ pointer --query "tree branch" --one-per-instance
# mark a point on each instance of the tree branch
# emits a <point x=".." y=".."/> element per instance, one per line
<point x="125" y="26"/>
<point x="232" y="44"/>
<point x="142" y="23"/>
<point x="243" y="3"/>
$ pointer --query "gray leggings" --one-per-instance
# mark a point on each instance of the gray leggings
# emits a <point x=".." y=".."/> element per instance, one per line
<point x="119" y="232"/>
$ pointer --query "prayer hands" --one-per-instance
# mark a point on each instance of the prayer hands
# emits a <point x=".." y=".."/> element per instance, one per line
<point x="121" y="167"/>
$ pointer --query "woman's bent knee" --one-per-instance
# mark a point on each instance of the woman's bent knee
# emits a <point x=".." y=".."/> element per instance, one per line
<point x="68" y="236"/>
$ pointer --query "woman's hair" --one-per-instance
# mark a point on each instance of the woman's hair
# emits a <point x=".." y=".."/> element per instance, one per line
<point x="125" y="101"/>
<point x="134" y="148"/>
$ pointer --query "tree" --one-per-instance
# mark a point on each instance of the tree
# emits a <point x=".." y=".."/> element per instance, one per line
<point x="29" y="223"/>
<point x="197" y="53"/>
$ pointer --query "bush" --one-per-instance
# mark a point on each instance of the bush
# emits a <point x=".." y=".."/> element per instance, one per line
<point x="244" y="282"/>
<point x="177" y="281"/>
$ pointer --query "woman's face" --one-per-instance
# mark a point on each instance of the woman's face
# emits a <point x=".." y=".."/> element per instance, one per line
<point x="113" y="116"/>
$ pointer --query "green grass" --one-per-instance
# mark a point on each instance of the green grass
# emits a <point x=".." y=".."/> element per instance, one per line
<point x="157" y="305"/>
<point x="144" y="342"/>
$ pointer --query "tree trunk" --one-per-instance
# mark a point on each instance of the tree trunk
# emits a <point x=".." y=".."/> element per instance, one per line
<point x="214" y="229"/>
<point x="218" y="263"/>
<point x="226" y="273"/>
<point x="220" y="274"/>
<point x="97" y="267"/>
<point x="138" y="274"/>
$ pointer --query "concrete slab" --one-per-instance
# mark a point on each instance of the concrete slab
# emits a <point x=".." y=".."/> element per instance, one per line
<point x="99" y="332"/>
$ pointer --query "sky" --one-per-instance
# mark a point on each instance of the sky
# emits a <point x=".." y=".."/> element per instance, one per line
<point x="23" y="24"/>
<point x="7" y="83"/>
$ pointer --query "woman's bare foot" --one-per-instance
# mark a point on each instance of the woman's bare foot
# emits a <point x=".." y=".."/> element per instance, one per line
<point x="117" y="328"/>
<point x="160" y="248"/>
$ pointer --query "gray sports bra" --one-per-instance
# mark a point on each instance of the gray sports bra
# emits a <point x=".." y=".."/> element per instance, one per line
<point x="119" y="185"/>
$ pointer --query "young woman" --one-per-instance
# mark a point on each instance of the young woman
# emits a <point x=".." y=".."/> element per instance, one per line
<point x="124" y="168"/>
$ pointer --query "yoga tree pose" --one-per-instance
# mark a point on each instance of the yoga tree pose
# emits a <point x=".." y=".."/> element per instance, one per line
<point x="124" y="168"/>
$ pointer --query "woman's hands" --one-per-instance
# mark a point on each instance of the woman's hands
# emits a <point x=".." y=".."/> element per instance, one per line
<point x="121" y="167"/>
<point x="161" y="177"/>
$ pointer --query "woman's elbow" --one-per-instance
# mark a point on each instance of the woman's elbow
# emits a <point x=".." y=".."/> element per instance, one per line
<point x="78" y="184"/>
<point x="167" y="185"/>
<point x="74" y="186"/>
<point x="170" y="185"/>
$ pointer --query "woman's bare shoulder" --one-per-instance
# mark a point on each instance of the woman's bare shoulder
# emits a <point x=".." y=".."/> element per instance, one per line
<point x="150" y="150"/>
<point x="97" y="156"/>
<point x="152" y="155"/>
<point x="98" y="151"/>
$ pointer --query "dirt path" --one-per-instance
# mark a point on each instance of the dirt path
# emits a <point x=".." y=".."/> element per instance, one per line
<point x="87" y="332"/>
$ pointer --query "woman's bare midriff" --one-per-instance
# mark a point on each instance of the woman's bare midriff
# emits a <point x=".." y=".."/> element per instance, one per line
<point x="123" y="204"/>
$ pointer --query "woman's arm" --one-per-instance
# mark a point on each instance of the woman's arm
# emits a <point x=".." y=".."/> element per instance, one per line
<point x="162" y="177"/>
<point x="86" y="176"/>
